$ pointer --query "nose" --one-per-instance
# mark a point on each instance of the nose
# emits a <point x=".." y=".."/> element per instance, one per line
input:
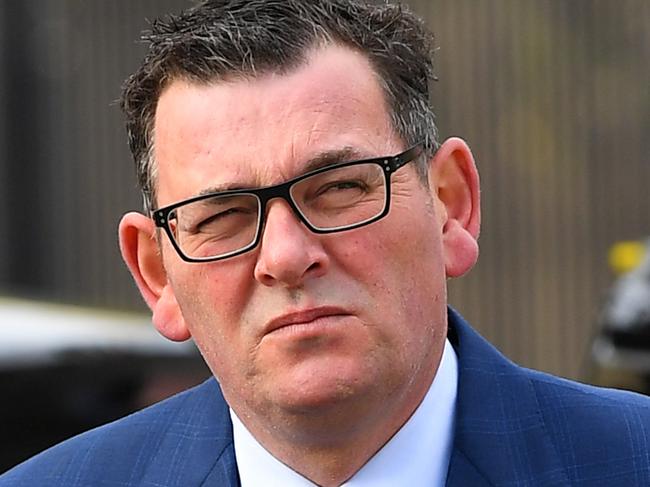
<point x="289" y="253"/>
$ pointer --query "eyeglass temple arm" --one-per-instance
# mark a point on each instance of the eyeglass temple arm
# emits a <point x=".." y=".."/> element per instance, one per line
<point x="394" y="163"/>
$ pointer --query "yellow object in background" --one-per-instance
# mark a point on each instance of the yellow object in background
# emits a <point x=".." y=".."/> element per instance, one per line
<point x="626" y="256"/>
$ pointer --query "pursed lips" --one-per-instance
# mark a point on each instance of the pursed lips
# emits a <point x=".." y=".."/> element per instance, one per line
<point x="302" y="317"/>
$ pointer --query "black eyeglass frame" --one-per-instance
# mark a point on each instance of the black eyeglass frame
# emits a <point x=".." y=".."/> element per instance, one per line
<point x="263" y="195"/>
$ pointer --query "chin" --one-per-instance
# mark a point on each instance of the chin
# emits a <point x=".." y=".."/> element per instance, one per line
<point x="320" y="387"/>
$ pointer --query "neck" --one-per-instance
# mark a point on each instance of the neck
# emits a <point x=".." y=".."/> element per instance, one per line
<point x="329" y="445"/>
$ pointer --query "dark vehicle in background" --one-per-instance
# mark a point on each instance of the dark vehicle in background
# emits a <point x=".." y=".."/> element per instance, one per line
<point x="64" y="370"/>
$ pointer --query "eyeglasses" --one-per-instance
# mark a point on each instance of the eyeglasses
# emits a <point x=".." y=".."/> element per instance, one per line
<point x="331" y="199"/>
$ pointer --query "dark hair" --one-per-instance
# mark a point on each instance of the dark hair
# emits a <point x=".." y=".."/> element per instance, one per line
<point x="225" y="39"/>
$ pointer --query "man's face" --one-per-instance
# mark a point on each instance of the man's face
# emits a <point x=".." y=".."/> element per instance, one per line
<point x="304" y="322"/>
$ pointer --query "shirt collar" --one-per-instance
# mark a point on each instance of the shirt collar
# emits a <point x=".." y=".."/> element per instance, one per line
<point x="417" y="455"/>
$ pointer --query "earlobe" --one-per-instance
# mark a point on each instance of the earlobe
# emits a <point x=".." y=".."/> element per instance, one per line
<point x="454" y="182"/>
<point x="142" y="256"/>
<point x="461" y="249"/>
<point x="167" y="317"/>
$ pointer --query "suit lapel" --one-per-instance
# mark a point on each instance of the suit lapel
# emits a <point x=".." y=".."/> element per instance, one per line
<point x="500" y="436"/>
<point x="224" y="473"/>
<point x="463" y="473"/>
<point x="196" y="448"/>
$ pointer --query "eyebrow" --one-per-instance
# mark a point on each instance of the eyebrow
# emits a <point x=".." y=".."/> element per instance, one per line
<point x="320" y="160"/>
<point x="331" y="157"/>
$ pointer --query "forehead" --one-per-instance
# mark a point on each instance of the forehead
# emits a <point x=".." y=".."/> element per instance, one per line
<point x="261" y="131"/>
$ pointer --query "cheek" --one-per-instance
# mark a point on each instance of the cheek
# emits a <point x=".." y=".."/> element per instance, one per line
<point x="212" y="298"/>
<point x="400" y="262"/>
<point x="222" y="287"/>
<point x="397" y="246"/>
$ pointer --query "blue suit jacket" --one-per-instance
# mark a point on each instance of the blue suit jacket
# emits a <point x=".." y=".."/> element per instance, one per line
<point x="514" y="427"/>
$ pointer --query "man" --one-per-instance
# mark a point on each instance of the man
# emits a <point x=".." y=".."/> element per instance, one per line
<point x="301" y="224"/>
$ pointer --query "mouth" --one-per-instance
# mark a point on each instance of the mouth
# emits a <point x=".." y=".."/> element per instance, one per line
<point x="304" y="319"/>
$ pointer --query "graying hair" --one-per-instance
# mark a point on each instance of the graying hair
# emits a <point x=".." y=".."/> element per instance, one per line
<point x="232" y="39"/>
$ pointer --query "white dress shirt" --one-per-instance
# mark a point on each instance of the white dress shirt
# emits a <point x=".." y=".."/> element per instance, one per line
<point x="417" y="455"/>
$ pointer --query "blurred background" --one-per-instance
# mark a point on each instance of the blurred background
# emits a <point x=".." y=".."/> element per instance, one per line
<point x="552" y="95"/>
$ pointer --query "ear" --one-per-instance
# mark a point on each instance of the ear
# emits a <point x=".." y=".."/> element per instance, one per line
<point x="142" y="255"/>
<point x="454" y="182"/>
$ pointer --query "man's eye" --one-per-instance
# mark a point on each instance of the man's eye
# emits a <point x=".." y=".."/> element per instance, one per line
<point x="221" y="218"/>
<point x="348" y="185"/>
